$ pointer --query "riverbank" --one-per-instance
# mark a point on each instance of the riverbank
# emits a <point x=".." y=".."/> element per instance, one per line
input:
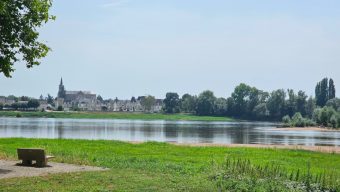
<point x="155" y="166"/>
<point x="113" y="115"/>
<point x="324" y="129"/>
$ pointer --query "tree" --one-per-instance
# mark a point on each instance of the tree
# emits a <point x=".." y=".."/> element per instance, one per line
<point x="331" y="89"/>
<point x="133" y="99"/>
<point x="33" y="103"/>
<point x="100" y="98"/>
<point x="310" y="107"/>
<point x="220" y="107"/>
<point x="20" y="20"/>
<point x="60" y="108"/>
<point x="261" y="111"/>
<point x="147" y="102"/>
<point x="301" y="102"/>
<point x="188" y="103"/>
<point x="50" y="99"/>
<point x="290" y="105"/>
<point x="171" y="103"/>
<point x="245" y="99"/>
<point x="276" y="104"/>
<point x="241" y="96"/>
<point x="24" y="98"/>
<point x="321" y="92"/>
<point x="205" y="103"/>
<point x="335" y="103"/>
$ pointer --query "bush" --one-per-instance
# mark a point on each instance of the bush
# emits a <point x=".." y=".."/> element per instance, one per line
<point x="298" y="120"/>
<point x="60" y="108"/>
<point x="18" y="115"/>
<point x="286" y="120"/>
<point x="333" y="121"/>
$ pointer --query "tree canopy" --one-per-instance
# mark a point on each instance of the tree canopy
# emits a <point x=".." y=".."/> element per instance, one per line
<point x="19" y="21"/>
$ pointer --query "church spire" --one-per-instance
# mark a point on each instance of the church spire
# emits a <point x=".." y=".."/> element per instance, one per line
<point x="61" y="92"/>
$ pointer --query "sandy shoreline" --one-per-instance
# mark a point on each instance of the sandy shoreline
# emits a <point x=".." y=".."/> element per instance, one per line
<point x="306" y="129"/>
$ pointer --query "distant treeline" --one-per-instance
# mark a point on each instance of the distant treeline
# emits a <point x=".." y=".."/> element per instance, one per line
<point x="248" y="102"/>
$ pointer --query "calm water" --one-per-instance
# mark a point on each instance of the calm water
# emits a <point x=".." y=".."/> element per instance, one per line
<point x="169" y="131"/>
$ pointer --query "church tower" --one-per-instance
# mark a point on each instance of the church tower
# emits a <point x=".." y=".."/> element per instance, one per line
<point x="61" y="92"/>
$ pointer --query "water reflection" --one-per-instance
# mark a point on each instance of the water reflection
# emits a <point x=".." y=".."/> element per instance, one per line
<point x="169" y="131"/>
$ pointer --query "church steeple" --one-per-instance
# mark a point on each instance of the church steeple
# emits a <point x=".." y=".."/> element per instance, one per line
<point x="61" y="92"/>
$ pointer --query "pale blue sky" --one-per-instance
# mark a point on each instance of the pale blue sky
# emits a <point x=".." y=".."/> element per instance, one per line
<point x="124" y="48"/>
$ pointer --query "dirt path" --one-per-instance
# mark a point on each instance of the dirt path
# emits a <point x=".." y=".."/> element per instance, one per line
<point x="9" y="169"/>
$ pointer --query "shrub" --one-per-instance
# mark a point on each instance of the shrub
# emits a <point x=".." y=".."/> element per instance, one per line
<point x="18" y="115"/>
<point x="286" y="120"/>
<point x="333" y="121"/>
<point x="298" y="120"/>
<point x="60" y="108"/>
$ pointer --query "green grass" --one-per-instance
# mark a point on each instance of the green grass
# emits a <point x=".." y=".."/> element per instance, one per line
<point x="114" y="115"/>
<point x="154" y="166"/>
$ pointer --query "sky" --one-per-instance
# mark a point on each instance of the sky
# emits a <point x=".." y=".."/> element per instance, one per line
<point x="124" y="48"/>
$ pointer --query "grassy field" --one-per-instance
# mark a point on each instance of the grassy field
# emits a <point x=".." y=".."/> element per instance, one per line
<point x="113" y="115"/>
<point x="165" y="167"/>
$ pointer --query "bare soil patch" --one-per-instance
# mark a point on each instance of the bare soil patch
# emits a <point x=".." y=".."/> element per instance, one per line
<point x="10" y="169"/>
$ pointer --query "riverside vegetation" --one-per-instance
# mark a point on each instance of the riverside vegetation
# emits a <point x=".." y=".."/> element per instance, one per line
<point x="114" y="115"/>
<point x="164" y="167"/>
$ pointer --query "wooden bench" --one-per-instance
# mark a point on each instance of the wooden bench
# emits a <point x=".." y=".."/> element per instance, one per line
<point x="37" y="155"/>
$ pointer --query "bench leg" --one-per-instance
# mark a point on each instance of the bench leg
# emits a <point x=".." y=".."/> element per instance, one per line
<point x="26" y="162"/>
<point x="41" y="163"/>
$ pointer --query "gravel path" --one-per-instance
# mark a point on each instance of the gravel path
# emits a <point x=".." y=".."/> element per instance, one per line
<point x="9" y="169"/>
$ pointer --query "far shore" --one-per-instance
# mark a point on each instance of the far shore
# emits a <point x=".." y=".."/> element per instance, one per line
<point x="113" y="115"/>
<point x="325" y="129"/>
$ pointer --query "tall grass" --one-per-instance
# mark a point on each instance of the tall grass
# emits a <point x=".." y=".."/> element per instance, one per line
<point x="241" y="174"/>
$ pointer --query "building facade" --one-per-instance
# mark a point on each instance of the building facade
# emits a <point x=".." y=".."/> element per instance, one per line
<point x="87" y="101"/>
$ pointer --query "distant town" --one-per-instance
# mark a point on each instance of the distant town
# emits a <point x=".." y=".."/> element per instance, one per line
<point x="80" y="101"/>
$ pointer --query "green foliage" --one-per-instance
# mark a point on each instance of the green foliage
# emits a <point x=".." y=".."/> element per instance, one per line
<point x="261" y="112"/>
<point x="147" y="102"/>
<point x="220" y="107"/>
<point x="286" y="120"/>
<point x="244" y="99"/>
<point x="100" y="98"/>
<point x="50" y="99"/>
<point x="33" y="103"/>
<point x="297" y="121"/>
<point x="327" y="117"/>
<point x="331" y="89"/>
<point x="324" y="91"/>
<point x="205" y="103"/>
<point x="60" y="108"/>
<point x="310" y="107"/>
<point x="171" y="103"/>
<point x="188" y="103"/>
<point x="242" y="175"/>
<point x="276" y="103"/>
<point x="20" y="20"/>
<point x="335" y="103"/>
